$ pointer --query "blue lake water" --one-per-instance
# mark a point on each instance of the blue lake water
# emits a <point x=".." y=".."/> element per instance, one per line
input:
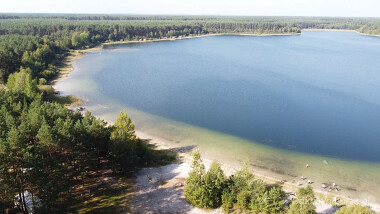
<point x="306" y="97"/>
<point x="317" y="93"/>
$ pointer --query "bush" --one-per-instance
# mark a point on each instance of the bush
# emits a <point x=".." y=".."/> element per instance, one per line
<point x="267" y="199"/>
<point x="354" y="209"/>
<point x="261" y="203"/>
<point x="276" y="200"/>
<point x="42" y="81"/>
<point x="306" y="192"/>
<point x="243" y="199"/>
<point x="238" y="182"/>
<point x="47" y="74"/>
<point x="227" y="200"/>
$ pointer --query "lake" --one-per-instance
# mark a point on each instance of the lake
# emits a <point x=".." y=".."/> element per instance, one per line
<point x="277" y="101"/>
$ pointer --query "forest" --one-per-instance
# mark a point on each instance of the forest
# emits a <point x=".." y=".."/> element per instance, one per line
<point x="46" y="148"/>
<point x="40" y="41"/>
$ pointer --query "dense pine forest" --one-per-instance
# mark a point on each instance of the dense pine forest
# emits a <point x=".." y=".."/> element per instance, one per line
<point x="46" y="148"/>
<point x="38" y="42"/>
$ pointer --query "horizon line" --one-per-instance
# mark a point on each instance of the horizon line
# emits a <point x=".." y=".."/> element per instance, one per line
<point x="199" y="15"/>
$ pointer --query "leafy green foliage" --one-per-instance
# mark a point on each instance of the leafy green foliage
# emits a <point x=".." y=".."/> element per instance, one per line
<point x="23" y="82"/>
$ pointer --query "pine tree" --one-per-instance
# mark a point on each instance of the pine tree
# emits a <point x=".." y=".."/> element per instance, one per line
<point x="121" y="149"/>
<point x="304" y="204"/>
<point x="193" y="188"/>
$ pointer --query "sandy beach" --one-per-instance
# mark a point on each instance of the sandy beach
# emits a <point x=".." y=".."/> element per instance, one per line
<point x="67" y="63"/>
<point x="156" y="187"/>
<point x="353" y="31"/>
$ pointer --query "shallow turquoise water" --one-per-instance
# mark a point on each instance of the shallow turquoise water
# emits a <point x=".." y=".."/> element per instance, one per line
<point x="279" y="101"/>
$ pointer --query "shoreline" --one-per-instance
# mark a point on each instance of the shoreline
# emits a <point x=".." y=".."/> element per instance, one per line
<point x="67" y="66"/>
<point x="324" y="199"/>
<point x="67" y="63"/>
<point x="105" y="44"/>
<point x="341" y="30"/>
<point x="164" y="144"/>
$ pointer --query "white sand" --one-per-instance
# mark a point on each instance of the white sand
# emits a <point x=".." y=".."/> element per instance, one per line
<point x="160" y="189"/>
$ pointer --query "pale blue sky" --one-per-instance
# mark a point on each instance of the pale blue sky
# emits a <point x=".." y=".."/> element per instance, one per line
<point x="362" y="8"/>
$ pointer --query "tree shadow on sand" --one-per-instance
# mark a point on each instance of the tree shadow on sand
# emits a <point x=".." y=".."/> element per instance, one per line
<point x="160" y="189"/>
<point x="329" y="210"/>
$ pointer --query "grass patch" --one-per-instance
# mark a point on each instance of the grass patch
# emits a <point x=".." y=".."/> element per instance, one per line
<point x="153" y="157"/>
<point x="69" y="100"/>
<point x="109" y="197"/>
<point x="329" y="199"/>
<point x="46" y="89"/>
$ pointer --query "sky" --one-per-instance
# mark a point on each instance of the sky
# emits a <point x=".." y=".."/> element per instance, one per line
<point x="336" y="8"/>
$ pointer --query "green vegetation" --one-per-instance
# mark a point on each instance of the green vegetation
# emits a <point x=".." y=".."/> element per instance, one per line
<point x="97" y="196"/>
<point x="53" y="152"/>
<point x="354" y="209"/>
<point x="47" y="149"/>
<point x="304" y="202"/>
<point x="204" y="189"/>
<point x="240" y="191"/>
<point x="39" y="42"/>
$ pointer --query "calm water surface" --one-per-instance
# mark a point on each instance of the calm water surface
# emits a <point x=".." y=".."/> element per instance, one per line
<point x="307" y="97"/>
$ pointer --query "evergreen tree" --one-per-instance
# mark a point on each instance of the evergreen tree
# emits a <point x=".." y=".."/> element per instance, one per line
<point x="193" y="189"/>
<point x="121" y="149"/>
<point x="304" y="204"/>
<point x="23" y="82"/>
<point x="213" y="183"/>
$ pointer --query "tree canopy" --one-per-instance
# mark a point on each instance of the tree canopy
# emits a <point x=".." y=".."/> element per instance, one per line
<point x="46" y="149"/>
<point x="39" y="41"/>
<point x="241" y="191"/>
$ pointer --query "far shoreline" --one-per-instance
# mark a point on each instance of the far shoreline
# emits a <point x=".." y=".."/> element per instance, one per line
<point x="67" y="62"/>
<point x="67" y="67"/>
<point x="341" y="30"/>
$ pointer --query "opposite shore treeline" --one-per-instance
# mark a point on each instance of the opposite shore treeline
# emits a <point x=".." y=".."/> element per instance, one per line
<point x="40" y="42"/>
